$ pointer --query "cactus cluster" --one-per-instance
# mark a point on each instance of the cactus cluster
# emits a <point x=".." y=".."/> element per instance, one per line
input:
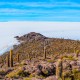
<point x="9" y="59"/>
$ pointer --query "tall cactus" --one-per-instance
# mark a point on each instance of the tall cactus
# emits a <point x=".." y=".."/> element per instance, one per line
<point x="17" y="57"/>
<point x="7" y="61"/>
<point x="59" y="68"/>
<point x="63" y="77"/>
<point x="74" y="49"/>
<point x="11" y="58"/>
<point x="29" y="56"/>
<point x="44" y="51"/>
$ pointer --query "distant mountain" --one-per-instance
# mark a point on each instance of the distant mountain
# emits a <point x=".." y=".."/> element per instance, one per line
<point x="31" y="36"/>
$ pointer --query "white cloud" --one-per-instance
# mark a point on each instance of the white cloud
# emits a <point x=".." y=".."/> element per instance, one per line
<point x="38" y="26"/>
<point x="52" y="29"/>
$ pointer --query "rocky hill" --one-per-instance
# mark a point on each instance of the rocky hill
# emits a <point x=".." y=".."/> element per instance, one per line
<point x="41" y="58"/>
<point x="31" y="36"/>
<point x="33" y="44"/>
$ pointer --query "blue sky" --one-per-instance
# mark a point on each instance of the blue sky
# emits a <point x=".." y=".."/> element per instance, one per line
<point x="40" y="10"/>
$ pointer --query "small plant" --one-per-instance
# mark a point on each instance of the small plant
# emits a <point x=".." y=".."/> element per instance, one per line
<point x="27" y="78"/>
<point x="50" y="61"/>
<point x="2" y="72"/>
<point x="23" y="74"/>
<point x="17" y="73"/>
<point x="76" y="74"/>
<point x="77" y="52"/>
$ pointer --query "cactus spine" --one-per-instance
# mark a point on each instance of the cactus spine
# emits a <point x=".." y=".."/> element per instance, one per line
<point x="11" y="58"/>
<point x="59" y="69"/>
<point x="7" y="61"/>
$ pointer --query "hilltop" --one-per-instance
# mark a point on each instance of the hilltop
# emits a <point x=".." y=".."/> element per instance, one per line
<point x="31" y="36"/>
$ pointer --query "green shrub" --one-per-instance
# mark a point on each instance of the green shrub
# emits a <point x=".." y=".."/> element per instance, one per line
<point x="77" y="75"/>
<point x="68" y="79"/>
<point x="17" y="73"/>
<point x="27" y="78"/>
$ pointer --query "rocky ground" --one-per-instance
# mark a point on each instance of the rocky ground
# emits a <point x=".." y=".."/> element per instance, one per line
<point x="40" y="69"/>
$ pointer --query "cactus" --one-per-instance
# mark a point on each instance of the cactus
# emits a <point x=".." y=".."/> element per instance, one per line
<point x="74" y="50"/>
<point x="7" y="61"/>
<point x="11" y="58"/>
<point x="59" y="69"/>
<point x="29" y="56"/>
<point x="77" y="52"/>
<point x="44" y="51"/>
<point x="17" y="57"/>
<point x="63" y="77"/>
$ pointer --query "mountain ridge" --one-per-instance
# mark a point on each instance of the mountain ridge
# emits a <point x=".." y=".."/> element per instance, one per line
<point x="33" y="44"/>
<point x="31" y="36"/>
